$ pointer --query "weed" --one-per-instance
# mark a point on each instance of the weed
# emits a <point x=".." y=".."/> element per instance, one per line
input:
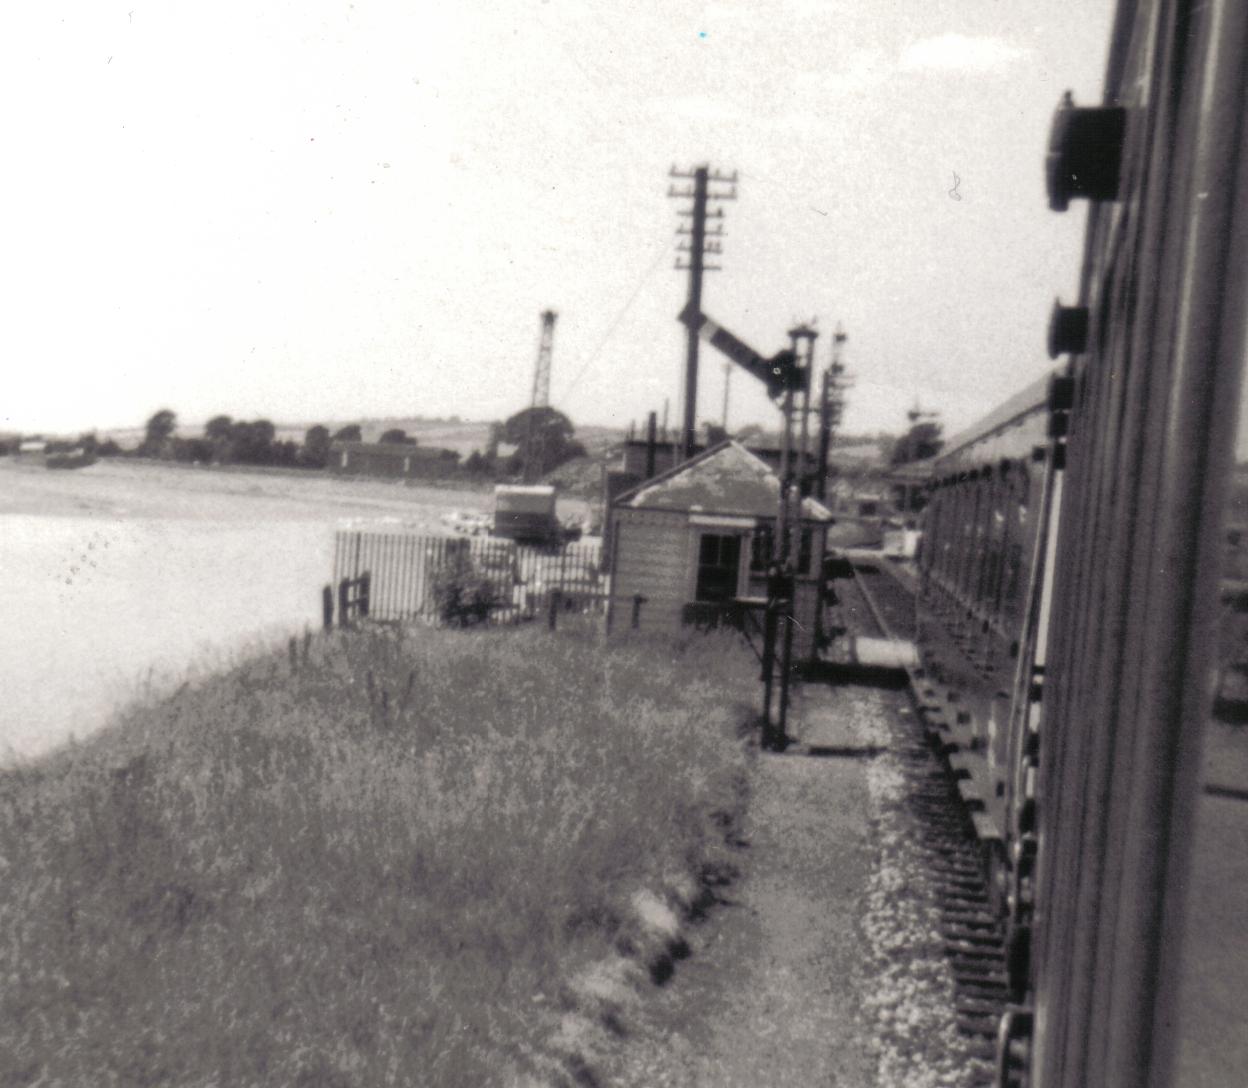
<point x="371" y="867"/>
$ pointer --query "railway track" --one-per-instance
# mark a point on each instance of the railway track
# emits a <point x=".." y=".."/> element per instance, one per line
<point x="877" y="604"/>
<point x="889" y="602"/>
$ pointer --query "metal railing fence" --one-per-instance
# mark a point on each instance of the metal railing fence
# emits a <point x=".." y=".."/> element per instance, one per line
<point x="470" y="579"/>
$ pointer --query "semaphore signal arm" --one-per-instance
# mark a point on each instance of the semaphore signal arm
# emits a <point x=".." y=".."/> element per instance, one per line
<point x="780" y="373"/>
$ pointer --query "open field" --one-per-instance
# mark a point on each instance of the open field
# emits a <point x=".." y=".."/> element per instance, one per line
<point x="128" y="572"/>
<point x="119" y="488"/>
<point x="373" y="864"/>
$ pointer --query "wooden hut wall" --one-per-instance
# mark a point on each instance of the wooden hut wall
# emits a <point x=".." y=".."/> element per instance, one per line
<point x="651" y="558"/>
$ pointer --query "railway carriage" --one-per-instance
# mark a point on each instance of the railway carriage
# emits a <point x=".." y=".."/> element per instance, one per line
<point x="1070" y="592"/>
<point x="987" y="526"/>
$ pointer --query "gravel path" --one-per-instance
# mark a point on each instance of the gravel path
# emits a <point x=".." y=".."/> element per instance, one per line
<point x="824" y="966"/>
<point x="772" y="991"/>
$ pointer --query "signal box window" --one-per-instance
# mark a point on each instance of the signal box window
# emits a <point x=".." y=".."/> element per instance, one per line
<point x="719" y="559"/>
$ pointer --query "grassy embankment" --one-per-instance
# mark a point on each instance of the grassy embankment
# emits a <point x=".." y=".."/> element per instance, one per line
<point x="372" y="865"/>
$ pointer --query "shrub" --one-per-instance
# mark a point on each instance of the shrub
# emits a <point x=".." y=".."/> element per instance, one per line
<point x="463" y="594"/>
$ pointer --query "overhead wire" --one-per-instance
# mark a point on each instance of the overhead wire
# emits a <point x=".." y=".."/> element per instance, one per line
<point x="663" y="252"/>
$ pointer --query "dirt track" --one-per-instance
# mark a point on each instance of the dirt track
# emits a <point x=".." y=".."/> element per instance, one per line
<point x="823" y="967"/>
<point x="770" y="995"/>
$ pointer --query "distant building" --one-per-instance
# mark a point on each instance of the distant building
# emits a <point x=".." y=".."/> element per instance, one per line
<point x="391" y="460"/>
<point x="909" y="483"/>
<point x="31" y="447"/>
<point x="697" y="539"/>
<point x="858" y="499"/>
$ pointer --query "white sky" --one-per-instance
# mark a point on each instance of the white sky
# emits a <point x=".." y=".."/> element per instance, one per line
<point x="307" y="210"/>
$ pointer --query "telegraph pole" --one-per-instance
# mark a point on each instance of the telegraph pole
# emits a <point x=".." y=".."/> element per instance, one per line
<point x="803" y="340"/>
<point x="779" y="589"/>
<point x="696" y="252"/>
<point x="831" y="402"/>
<point x="697" y="248"/>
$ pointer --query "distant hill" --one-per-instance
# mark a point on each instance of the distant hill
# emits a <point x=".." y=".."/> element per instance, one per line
<point x="462" y="436"/>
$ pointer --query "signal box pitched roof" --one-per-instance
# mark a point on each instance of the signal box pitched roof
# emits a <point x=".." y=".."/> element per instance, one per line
<point x="725" y="479"/>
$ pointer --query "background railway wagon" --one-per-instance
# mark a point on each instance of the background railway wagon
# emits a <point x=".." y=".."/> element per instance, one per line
<point x="988" y="503"/>
<point x="391" y="459"/>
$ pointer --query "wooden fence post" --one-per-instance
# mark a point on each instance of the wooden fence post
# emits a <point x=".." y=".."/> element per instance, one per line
<point x="555" y="595"/>
<point x="362" y="594"/>
<point x="344" y="603"/>
<point x="327" y="607"/>
<point x="638" y="601"/>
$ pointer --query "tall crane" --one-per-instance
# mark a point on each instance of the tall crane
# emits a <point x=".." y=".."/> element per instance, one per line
<point x="533" y="438"/>
<point x="541" y="372"/>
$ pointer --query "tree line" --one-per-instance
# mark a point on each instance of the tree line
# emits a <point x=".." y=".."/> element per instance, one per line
<point x="228" y="441"/>
<point x="544" y="435"/>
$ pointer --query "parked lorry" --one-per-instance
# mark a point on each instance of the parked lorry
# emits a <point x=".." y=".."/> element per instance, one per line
<point x="526" y="513"/>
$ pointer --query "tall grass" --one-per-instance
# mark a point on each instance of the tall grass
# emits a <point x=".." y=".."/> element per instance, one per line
<point x="366" y="865"/>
